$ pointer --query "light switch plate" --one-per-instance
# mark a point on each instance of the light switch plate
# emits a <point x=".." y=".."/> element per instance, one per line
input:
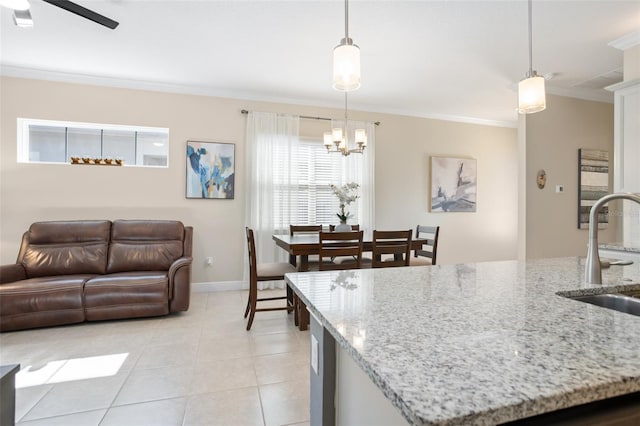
<point x="314" y="353"/>
<point x="559" y="188"/>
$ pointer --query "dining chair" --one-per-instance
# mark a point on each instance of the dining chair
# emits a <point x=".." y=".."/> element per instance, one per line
<point x="305" y="229"/>
<point x="263" y="272"/>
<point x="390" y="248"/>
<point x="336" y="244"/>
<point x="356" y="227"/>
<point x="427" y="254"/>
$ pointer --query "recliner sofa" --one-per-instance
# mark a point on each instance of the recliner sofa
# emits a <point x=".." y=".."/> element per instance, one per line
<point x="74" y="271"/>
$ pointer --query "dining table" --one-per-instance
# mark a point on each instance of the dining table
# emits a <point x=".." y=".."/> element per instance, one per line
<point x="301" y="246"/>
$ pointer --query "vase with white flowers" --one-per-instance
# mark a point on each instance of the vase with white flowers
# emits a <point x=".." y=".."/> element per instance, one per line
<point x="346" y="194"/>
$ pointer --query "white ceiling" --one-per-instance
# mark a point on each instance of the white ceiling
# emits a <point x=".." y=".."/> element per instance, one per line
<point x="451" y="59"/>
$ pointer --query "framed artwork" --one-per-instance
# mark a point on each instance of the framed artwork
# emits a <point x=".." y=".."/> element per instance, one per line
<point x="453" y="184"/>
<point x="593" y="183"/>
<point x="210" y="170"/>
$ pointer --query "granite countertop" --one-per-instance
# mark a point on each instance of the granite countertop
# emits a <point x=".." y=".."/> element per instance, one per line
<point x="619" y="247"/>
<point x="481" y="343"/>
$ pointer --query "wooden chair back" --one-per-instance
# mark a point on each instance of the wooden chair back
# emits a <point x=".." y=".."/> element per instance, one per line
<point x="270" y="272"/>
<point x="251" y="247"/>
<point x="303" y="229"/>
<point x="307" y="229"/>
<point x="356" y="227"/>
<point x="334" y="244"/>
<point x="396" y="243"/>
<point x="430" y="248"/>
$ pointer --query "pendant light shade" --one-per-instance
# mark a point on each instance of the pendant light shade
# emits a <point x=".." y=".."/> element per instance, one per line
<point x="531" y="92"/>
<point x="346" y="66"/>
<point x="531" y="95"/>
<point x="346" y="60"/>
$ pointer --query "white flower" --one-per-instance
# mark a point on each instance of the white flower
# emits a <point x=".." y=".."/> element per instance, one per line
<point x="346" y="195"/>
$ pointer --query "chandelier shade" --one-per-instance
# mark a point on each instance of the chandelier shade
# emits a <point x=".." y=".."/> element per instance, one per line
<point x="531" y="90"/>
<point x="338" y="139"/>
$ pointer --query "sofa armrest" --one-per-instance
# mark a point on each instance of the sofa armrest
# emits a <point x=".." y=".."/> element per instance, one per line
<point x="11" y="273"/>
<point x="180" y="284"/>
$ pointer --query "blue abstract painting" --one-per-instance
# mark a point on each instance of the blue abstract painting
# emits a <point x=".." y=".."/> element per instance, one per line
<point x="210" y="170"/>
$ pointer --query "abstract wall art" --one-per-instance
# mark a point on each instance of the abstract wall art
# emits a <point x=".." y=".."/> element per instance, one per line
<point x="210" y="170"/>
<point x="453" y="184"/>
<point x="593" y="183"/>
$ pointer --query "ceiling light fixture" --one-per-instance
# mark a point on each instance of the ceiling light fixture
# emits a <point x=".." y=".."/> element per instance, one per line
<point x="22" y="18"/>
<point x="531" y="93"/>
<point x="15" y="4"/>
<point x="338" y="137"/>
<point x="346" y="60"/>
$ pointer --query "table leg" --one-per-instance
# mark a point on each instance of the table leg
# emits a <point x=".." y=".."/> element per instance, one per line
<point x="301" y="308"/>
<point x="304" y="263"/>
<point x="303" y="316"/>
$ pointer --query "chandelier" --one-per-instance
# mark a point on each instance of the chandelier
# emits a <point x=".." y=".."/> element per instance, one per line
<point x="337" y="140"/>
<point x="531" y="93"/>
<point x="346" y="77"/>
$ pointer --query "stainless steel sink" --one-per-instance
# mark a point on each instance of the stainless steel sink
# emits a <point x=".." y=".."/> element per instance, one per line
<point x="615" y="301"/>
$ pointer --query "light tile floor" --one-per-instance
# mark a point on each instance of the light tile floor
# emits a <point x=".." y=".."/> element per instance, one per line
<point x="200" y="367"/>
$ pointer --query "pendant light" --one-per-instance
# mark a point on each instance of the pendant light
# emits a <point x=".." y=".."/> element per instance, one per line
<point x="338" y="137"/>
<point x="346" y="60"/>
<point x="531" y="93"/>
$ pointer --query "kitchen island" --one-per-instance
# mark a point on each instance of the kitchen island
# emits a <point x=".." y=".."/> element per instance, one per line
<point x="481" y="343"/>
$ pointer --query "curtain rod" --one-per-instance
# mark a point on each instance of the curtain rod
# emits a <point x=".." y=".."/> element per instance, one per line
<point x="377" y="123"/>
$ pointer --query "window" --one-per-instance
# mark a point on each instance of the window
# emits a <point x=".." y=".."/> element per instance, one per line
<point x="43" y="141"/>
<point x="308" y="199"/>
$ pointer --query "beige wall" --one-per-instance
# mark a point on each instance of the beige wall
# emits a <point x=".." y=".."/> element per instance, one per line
<point x="33" y="192"/>
<point x="404" y="149"/>
<point x="553" y="138"/>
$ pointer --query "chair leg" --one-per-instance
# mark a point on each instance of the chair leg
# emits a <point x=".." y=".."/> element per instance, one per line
<point x="252" y="302"/>
<point x="246" y="311"/>
<point x="252" y="314"/>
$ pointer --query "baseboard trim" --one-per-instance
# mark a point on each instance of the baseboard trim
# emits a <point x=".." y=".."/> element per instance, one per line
<point x="232" y="285"/>
<point x="219" y="286"/>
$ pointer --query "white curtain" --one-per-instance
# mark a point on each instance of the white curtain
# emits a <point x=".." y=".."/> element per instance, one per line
<point x="271" y="138"/>
<point x="360" y="168"/>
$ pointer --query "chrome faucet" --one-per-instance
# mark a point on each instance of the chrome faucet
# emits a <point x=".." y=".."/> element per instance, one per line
<point x="593" y="270"/>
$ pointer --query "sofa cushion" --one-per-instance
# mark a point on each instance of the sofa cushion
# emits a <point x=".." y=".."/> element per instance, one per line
<point x="66" y="248"/>
<point x="127" y="295"/>
<point x="42" y="301"/>
<point x="144" y="245"/>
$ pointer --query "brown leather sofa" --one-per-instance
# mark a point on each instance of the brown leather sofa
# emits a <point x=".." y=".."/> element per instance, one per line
<point x="74" y="271"/>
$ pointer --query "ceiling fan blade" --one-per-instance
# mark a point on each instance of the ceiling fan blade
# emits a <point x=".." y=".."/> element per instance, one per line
<point x="84" y="12"/>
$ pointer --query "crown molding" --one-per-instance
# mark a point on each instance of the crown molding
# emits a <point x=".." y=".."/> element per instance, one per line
<point x="625" y="42"/>
<point x="623" y="85"/>
<point x="65" y="77"/>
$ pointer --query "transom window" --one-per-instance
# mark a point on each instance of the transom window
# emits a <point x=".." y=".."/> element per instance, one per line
<point x="46" y="141"/>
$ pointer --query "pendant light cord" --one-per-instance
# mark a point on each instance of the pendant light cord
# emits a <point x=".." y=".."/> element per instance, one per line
<point x="346" y="19"/>
<point x="530" y="44"/>
<point x="346" y="119"/>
